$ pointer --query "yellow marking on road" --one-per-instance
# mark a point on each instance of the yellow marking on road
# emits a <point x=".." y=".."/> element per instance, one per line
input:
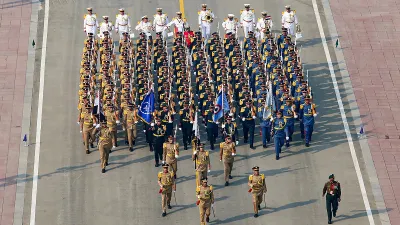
<point x="182" y="7"/>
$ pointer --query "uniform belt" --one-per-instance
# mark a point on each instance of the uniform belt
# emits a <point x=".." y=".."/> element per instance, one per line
<point x="307" y="114"/>
<point x="162" y="25"/>
<point x="170" y="154"/>
<point x="111" y="123"/>
<point x="288" y="22"/>
<point x="89" y="25"/>
<point x="158" y="135"/>
<point x="288" y="117"/>
<point x="164" y="121"/>
<point x="185" y="120"/>
<point x="87" y="123"/>
<point x="210" y="121"/>
<point x="101" y="138"/>
<point x="249" y="118"/>
<point x="122" y="24"/>
<point x="247" y="21"/>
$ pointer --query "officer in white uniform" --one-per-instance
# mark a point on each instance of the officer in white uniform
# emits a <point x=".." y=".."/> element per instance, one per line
<point x="204" y="22"/>
<point x="160" y="23"/>
<point x="247" y="19"/>
<point x="263" y="23"/>
<point x="122" y="23"/>
<point x="179" y="22"/>
<point x="105" y="26"/>
<point x="289" y="20"/>
<point x="231" y="24"/>
<point x="144" y="26"/>
<point x="90" y="24"/>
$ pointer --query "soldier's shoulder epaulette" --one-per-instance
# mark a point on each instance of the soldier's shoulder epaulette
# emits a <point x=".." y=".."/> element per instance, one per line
<point x="155" y="15"/>
<point x="116" y="16"/>
<point x="252" y="10"/>
<point x="197" y="188"/>
<point x="211" y="187"/>
<point x="241" y="11"/>
<point x="242" y="109"/>
<point x="199" y="12"/>
<point x="138" y="22"/>
<point x="250" y="177"/>
<point x="209" y="10"/>
<point x="282" y="107"/>
<point x="160" y="174"/>
<point x="283" y="12"/>
<point x="165" y="14"/>
<point x="207" y="153"/>
<point x="225" y="19"/>
<point x="221" y="145"/>
<point x="294" y="11"/>
<point x="171" y="173"/>
<point x="164" y="145"/>
<point x="262" y="176"/>
<point x="84" y="16"/>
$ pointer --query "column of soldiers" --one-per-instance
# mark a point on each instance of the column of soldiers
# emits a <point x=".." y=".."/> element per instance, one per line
<point x="260" y="76"/>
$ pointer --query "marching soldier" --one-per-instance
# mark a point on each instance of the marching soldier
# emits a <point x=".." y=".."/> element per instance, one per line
<point x="171" y="154"/>
<point x="179" y="22"/>
<point x="105" y="26"/>
<point x="227" y="153"/>
<point x="257" y="188"/>
<point x="205" y="201"/>
<point x="206" y="17"/>
<point x="202" y="162"/>
<point x="131" y="119"/>
<point x="160" y="23"/>
<point x="211" y="126"/>
<point x="90" y="24"/>
<point x="122" y="23"/>
<point x="158" y="131"/>
<point x="112" y="121"/>
<point x="105" y="144"/>
<point x="290" y="115"/>
<point x="264" y="24"/>
<point x="289" y="20"/>
<point x="265" y="123"/>
<point x="230" y="129"/>
<point x="248" y="115"/>
<point x="278" y="133"/>
<point x="186" y="121"/>
<point x="167" y="184"/>
<point x="231" y="24"/>
<point x="247" y="19"/>
<point x="333" y="192"/>
<point x="307" y="114"/>
<point x="144" y="26"/>
<point x="88" y="121"/>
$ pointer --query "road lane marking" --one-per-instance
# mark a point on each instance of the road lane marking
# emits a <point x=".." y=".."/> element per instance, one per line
<point x="343" y="115"/>
<point x="39" y="115"/>
<point x="182" y="7"/>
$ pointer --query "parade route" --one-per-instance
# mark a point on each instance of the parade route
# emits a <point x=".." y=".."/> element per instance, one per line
<point x="72" y="191"/>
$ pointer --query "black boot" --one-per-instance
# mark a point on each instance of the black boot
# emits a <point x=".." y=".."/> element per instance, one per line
<point x="252" y="147"/>
<point x="230" y="177"/>
<point x="87" y="152"/>
<point x="131" y="149"/>
<point x="227" y="183"/>
<point x="307" y="144"/>
<point x="91" y="145"/>
<point x="133" y="142"/>
<point x="207" y="219"/>
<point x="264" y="146"/>
<point x="255" y="215"/>
<point x="259" y="207"/>
<point x="164" y="214"/>
<point x="103" y="170"/>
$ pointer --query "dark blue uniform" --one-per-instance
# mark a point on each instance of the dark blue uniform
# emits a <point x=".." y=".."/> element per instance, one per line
<point x="279" y="135"/>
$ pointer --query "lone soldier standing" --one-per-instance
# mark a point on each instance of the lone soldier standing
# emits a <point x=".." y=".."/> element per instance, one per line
<point x="166" y="182"/>
<point x="257" y="188"/>
<point x="171" y="154"/>
<point x="203" y="164"/>
<point x="227" y="152"/>
<point x="205" y="196"/>
<point x="105" y="144"/>
<point x="90" y="23"/>
<point x="333" y="192"/>
<point x="131" y="120"/>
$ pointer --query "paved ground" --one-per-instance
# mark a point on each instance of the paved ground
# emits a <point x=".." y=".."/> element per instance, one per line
<point x="368" y="33"/>
<point x="72" y="191"/>
<point x="14" y="34"/>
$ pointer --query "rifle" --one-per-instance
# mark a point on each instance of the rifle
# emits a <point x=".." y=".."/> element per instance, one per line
<point x="212" y="207"/>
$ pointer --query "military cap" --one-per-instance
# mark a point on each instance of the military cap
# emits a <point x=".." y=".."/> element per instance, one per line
<point x="159" y="9"/>
<point x="279" y="112"/>
<point x="144" y="17"/>
<point x="88" y="106"/>
<point x="158" y="33"/>
<point x="165" y="165"/>
<point x="308" y="97"/>
<point x="178" y="13"/>
<point x="204" y="180"/>
<point x="262" y="85"/>
<point x="289" y="100"/>
<point x="263" y="13"/>
<point x="331" y="176"/>
<point x="229" y="118"/>
<point x="287" y="38"/>
<point x="164" y="104"/>
<point x="157" y="119"/>
<point x="287" y="6"/>
<point x="256" y="168"/>
<point x="231" y="15"/>
<point x="105" y="17"/>
<point x="247" y="5"/>
<point x="122" y="10"/>
<point x="89" y="9"/>
<point x="249" y="102"/>
<point x="204" y="5"/>
<point x="170" y="137"/>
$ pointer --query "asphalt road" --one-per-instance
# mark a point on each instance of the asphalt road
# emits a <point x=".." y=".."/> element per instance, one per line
<point x="72" y="191"/>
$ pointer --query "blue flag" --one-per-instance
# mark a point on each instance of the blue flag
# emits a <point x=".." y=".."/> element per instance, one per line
<point x="222" y="102"/>
<point x="147" y="107"/>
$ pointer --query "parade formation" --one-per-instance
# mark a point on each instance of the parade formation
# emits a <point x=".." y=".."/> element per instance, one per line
<point x="181" y="80"/>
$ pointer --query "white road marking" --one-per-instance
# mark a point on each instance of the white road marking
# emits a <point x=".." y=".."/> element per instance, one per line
<point x="343" y="115"/>
<point x="39" y="115"/>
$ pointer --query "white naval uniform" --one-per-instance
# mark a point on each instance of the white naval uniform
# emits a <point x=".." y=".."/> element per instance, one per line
<point x="160" y="23"/>
<point x="90" y="24"/>
<point x="247" y="20"/>
<point x="179" y="23"/>
<point x="289" y="21"/>
<point x="230" y="25"/>
<point x="144" y="27"/>
<point x="261" y="26"/>
<point x="122" y="24"/>
<point x="205" y="26"/>
<point x="105" y="27"/>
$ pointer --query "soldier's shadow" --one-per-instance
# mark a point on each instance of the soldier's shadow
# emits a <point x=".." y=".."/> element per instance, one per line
<point x="358" y="214"/>
<point x="187" y="206"/>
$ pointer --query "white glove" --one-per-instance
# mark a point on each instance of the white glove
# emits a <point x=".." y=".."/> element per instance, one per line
<point x="152" y="124"/>
<point x="237" y="142"/>
<point x="118" y="122"/>
<point x="163" y="162"/>
<point x="223" y="126"/>
<point x="243" y="119"/>
<point x="208" y="170"/>
<point x="80" y="131"/>
<point x="254" y="117"/>
<point x="78" y="123"/>
<point x="233" y="154"/>
<point x="272" y="119"/>
<point x="136" y="122"/>
<point x="195" y="152"/>
<point x="144" y="131"/>
<point x="94" y="124"/>
<point x="123" y="128"/>
<point x="98" y="125"/>
<point x="315" y="115"/>
<point x="287" y="138"/>
<point x="217" y="122"/>
<point x="295" y="116"/>
<point x="191" y="121"/>
<point x="176" y="156"/>
<point x="170" y="121"/>
<point x="230" y="114"/>
<point x="180" y="128"/>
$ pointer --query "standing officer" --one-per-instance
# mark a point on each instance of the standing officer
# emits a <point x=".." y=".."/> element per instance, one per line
<point x="122" y="23"/>
<point x="105" y="26"/>
<point x="171" y="154"/>
<point x="158" y="131"/>
<point x="257" y="188"/>
<point x="279" y="125"/>
<point x="179" y="22"/>
<point x="202" y="162"/>
<point x="231" y="24"/>
<point x="160" y="23"/>
<point x="205" y="200"/>
<point x="289" y="20"/>
<point x="206" y="17"/>
<point x="247" y="19"/>
<point x="105" y="144"/>
<point x="289" y="113"/>
<point x="307" y="114"/>
<point x="333" y="192"/>
<point x="248" y="114"/>
<point x="227" y="153"/>
<point x="90" y="24"/>
<point x="131" y="119"/>
<point x="167" y="183"/>
<point x="88" y="121"/>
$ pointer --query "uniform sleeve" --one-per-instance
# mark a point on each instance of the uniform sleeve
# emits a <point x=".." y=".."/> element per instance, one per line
<point x="129" y="21"/>
<point x="324" y="189"/>
<point x="339" y="191"/>
<point x="283" y="18"/>
<point x="295" y="19"/>
<point x="199" y="18"/>
<point x="84" y="21"/>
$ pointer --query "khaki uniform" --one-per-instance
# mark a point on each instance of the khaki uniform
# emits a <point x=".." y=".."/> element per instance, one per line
<point x="131" y="131"/>
<point x="169" y="152"/>
<point x="226" y="151"/>
<point x="206" y="198"/>
<point x="202" y="160"/>
<point x="88" y="129"/>
<point x="105" y="145"/>
<point x="167" y="181"/>
<point x="112" y="125"/>
<point x="257" y="184"/>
